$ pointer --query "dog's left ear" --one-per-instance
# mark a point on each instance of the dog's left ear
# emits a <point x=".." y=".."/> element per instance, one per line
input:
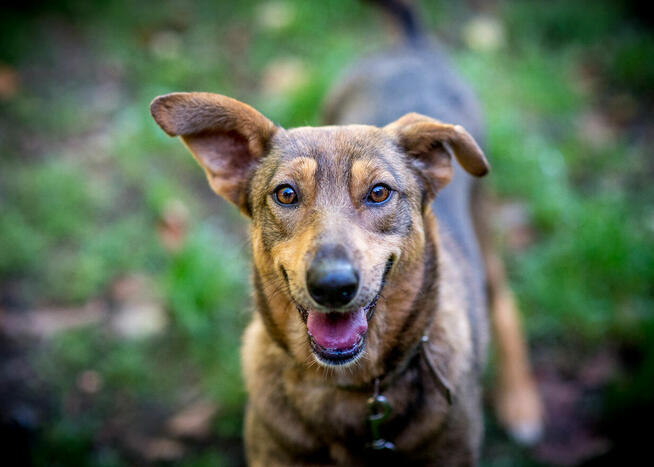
<point x="430" y="144"/>
<point x="226" y="137"/>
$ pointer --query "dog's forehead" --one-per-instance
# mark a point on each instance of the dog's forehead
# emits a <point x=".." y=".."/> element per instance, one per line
<point x="335" y="147"/>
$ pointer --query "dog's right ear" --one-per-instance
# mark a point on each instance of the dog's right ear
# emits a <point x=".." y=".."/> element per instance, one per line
<point x="226" y="137"/>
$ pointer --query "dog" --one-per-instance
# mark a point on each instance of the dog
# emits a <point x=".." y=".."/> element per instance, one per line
<point x="371" y="289"/>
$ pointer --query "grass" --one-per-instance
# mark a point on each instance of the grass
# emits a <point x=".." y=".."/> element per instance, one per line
<point x="85" y="175"/>
<point x="593" y="248"/>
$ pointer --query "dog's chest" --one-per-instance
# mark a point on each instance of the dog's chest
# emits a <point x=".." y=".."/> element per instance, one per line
<point x="340" y="417"/>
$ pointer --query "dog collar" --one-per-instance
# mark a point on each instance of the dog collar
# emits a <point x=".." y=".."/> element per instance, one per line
<point x="383" y="382"/>
<point x="379" y="409"/>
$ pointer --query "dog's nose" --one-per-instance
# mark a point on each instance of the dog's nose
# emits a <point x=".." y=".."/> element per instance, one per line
<point x="331" y="279"/>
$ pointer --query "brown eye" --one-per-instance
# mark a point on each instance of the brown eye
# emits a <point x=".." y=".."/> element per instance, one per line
<point x="285" y="195"/>
<point x="379" y="194"/>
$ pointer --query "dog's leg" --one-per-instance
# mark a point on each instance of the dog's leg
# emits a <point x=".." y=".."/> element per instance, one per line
<point x="517" y="401"/>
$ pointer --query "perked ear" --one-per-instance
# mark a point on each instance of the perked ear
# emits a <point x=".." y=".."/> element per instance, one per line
<point x="226" y="137"/>
<point x="431" y="144"/>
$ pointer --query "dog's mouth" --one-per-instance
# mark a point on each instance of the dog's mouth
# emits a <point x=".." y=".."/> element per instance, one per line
<point x="338" y="338"/>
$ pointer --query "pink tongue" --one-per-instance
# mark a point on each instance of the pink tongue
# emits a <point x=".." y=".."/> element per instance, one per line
<point x="337" y="331"/>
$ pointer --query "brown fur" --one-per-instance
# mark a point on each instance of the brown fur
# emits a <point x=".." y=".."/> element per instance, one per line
<point x="224" y="135"/>
<point x="302" y="412"/>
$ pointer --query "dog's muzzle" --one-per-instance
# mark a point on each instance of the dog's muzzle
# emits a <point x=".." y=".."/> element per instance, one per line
<point x="337" y="337"/>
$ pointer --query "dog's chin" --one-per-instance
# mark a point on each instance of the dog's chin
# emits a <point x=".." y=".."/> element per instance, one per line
<point x="337" y="338"/>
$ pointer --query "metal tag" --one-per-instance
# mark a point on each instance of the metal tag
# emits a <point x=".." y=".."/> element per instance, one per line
<point x="378" y="411"/>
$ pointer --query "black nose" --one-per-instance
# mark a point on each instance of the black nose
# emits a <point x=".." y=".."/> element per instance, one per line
<point x="331" y="279"/>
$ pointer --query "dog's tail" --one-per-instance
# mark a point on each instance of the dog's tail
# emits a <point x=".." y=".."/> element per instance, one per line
<point x="403" y="13"/>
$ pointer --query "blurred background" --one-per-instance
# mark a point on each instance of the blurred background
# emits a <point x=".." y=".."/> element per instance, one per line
<point x="124" y="280"/>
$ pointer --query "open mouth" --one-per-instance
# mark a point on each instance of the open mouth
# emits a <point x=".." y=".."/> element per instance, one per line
<point x="337" y="338"/>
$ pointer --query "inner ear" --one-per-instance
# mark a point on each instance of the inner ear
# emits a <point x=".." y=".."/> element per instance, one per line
<point x="431" y="144"/>
<point x="436" y="160"/>
<point x="432" y="162"/>
<point x="226" y="160"/>
<point x="226" y="137"/>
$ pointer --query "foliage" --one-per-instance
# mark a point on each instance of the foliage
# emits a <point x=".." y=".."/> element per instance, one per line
<point x="85" y="176"/>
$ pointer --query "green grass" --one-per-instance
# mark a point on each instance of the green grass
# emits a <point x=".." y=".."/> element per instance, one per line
<point x="85" y="175"/>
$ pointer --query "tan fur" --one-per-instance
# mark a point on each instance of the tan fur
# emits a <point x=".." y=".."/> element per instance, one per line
<point x="302" y="411"/>
<point x="315" y="391"/>
<point x="363" y="172"/>
<point x="517" y="401"/>
<point x="518" y="404"/>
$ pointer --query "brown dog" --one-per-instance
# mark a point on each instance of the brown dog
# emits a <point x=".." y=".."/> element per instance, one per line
<point x="369" y="336"/>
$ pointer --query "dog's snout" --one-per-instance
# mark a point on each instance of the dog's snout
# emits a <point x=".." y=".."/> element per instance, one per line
<point x="332" y="280"/>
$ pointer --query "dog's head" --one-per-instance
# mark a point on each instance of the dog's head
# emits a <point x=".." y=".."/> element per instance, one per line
<point x="339" y="215"/>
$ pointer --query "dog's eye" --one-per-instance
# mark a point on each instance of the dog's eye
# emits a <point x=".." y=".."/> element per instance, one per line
<point x="379" y="194"/>
<point x="285" y="195"/>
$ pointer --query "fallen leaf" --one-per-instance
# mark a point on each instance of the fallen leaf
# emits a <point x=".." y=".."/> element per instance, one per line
<point x="173" y="225"/>
<point x="193" y="421"/>
<point x="9" y="82"/>
<point x="89" y="381"/>
<point x="596" y="130"/>
<point x="138" y="311"/>
<point x="46" y="322"/>
<point x="156" y="449"/>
